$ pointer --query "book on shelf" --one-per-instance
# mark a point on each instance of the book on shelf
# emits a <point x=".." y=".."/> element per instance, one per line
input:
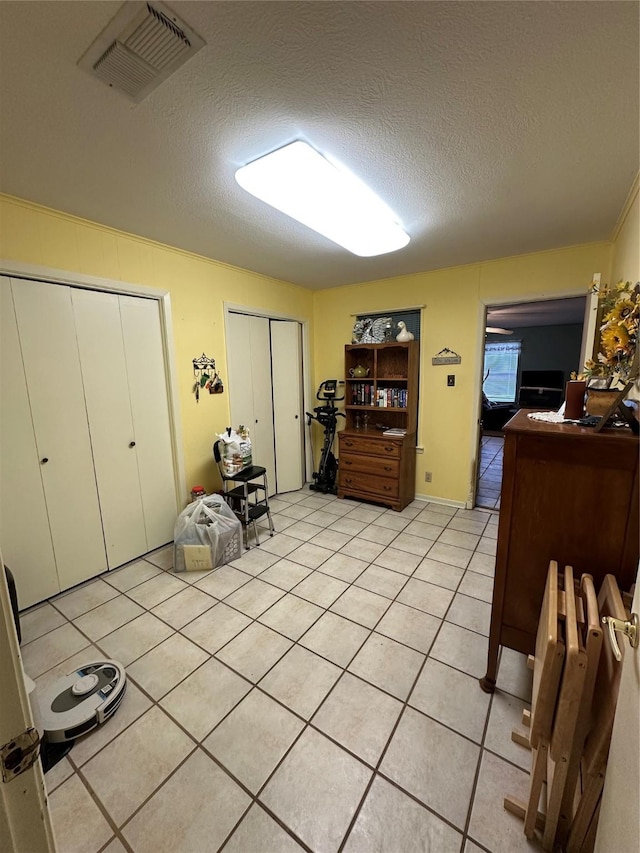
<point x="362" y="394"/>
<point x="394" y="431"/>
<point x="392" y="398"/>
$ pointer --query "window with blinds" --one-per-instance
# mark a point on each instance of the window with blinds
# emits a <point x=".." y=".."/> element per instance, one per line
<point x="501" y="361"/>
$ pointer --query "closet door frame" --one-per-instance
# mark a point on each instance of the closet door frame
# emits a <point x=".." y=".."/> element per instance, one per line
<point x="163" y="298"/>
<point x="308" y="395"/>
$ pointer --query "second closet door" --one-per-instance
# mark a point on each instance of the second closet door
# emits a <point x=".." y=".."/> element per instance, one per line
<point x="262" y="398"/>
<point x="287" y="403"/>
<point x="144" y="353"/>
<point x="106" y="391"/>
<point x="249" y="365"/>
<point x="52" y="367"/>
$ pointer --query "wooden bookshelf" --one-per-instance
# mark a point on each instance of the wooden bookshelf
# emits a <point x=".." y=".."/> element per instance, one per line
<point x="373" y="466"/>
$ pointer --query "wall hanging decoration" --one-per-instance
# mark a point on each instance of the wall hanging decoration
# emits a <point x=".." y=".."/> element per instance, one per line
<point x="206" y="376"/>
<point x="446" y="356"/>
<point x="368" y="331"/>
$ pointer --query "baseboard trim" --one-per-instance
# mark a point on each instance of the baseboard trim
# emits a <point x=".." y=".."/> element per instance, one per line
<point x="432" y="499"/>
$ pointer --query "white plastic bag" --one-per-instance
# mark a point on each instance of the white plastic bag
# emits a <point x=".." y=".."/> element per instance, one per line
<point x="207" y="534"/>
<point x="236" y="451"/>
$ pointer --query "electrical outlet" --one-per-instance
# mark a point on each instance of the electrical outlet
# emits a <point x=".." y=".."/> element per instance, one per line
<point x="451" y="380"/>
<point x="427" y="476"/>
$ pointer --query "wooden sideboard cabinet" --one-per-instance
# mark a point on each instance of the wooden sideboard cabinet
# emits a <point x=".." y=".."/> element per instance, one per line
<point x="568" y="494"/>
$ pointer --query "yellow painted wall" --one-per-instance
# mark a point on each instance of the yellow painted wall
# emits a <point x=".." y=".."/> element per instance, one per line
<point x="198" y="287"/>
<point x="626" y="246"/>
<point x="453" y="318"/>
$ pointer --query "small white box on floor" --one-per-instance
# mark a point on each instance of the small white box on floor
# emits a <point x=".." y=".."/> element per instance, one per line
<point x="197" y="558"/>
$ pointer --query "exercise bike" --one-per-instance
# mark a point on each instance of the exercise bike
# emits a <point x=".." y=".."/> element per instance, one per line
<point x="324" y="479"/>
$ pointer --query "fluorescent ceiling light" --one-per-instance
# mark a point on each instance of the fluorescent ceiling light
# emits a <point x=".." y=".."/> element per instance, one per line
<point x="303" y="184"/>
<point x="496" y="331"/>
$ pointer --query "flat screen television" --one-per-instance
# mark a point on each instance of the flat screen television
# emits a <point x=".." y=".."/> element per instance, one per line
<point x="542" y="379"/>
<point x="540" y="397"/>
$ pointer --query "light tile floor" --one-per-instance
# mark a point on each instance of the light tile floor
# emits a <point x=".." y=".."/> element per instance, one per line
<point x="318" y="694"/>
<point x="489" y="484"/>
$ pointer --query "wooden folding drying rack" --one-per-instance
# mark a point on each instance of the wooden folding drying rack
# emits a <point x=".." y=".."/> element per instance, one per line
<point x="575" y="687"/>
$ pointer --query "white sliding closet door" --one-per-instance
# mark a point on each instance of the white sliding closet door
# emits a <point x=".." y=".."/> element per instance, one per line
<point x="106" y="391"/>
<point x="240" y="375"/>
<point x="24" y="524"/>
<point x="286" y="364"/>
<point x="249" y="365"/>
<point x="142" y="334"/>
<point x="52" y="368"/>
<point x="262" y="398"/>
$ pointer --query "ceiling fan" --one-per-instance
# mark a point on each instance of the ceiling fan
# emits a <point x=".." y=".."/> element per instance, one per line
<point x="494" y="330"/>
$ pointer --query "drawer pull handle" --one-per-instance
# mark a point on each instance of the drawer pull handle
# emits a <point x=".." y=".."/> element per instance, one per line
<point x="348" y="444"/>
<point x="389" y="449"/>
<point x="387" y="488"/>
<point x="347" y="479"/>
<point x="388" y="468"/>
<point x="346" y="462"/>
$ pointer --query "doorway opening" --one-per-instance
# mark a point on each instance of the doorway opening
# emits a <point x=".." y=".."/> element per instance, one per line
<point x="530" y="350"/>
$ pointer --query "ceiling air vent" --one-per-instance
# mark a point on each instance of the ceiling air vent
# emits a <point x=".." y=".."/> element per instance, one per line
<point x="140" y="47"/>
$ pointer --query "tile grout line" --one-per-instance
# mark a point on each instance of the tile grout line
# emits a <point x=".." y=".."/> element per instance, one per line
<point x="200" y="745"/>
<point x="476" y="777"/>
<point x="259" y="805"/>
<point x="377" y="770"/>
<point x="216" y="601"/>
<point x="401" y="715"/>
<point x="102" y="808"/>
<point x="344" y="668"/>
<point x="307" y="723"/>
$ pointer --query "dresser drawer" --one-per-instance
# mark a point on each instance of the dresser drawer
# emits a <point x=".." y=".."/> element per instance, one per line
<point x="376" y="447"/>
<point x="373" y="484"/>
<point x="352" y="462"/>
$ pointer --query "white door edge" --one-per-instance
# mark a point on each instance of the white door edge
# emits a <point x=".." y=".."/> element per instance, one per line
<point x="588" y="328"/>
<point x="25" y="822"/>
<point x="619" y="824"/>
<point x="477" y="409"/>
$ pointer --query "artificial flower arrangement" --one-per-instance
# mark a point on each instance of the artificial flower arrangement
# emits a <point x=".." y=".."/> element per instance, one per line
<point x="620" y="311"/>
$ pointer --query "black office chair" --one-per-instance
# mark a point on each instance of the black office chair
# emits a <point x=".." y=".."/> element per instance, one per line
<point x="249" y="500"/>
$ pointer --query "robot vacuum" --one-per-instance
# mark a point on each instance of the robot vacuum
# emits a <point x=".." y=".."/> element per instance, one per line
<point x="82" y="700"/>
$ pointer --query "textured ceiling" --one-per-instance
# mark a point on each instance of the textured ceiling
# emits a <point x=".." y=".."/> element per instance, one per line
<point x="491" y="129"/>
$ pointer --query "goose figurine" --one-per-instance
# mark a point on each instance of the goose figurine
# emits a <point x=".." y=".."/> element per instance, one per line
<point x="403" y="335"/>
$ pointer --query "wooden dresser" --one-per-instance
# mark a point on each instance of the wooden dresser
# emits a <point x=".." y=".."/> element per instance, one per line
<point x="381" y="390"/>
<point x="568" y="494"/>
<point x="377" y="468"/>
